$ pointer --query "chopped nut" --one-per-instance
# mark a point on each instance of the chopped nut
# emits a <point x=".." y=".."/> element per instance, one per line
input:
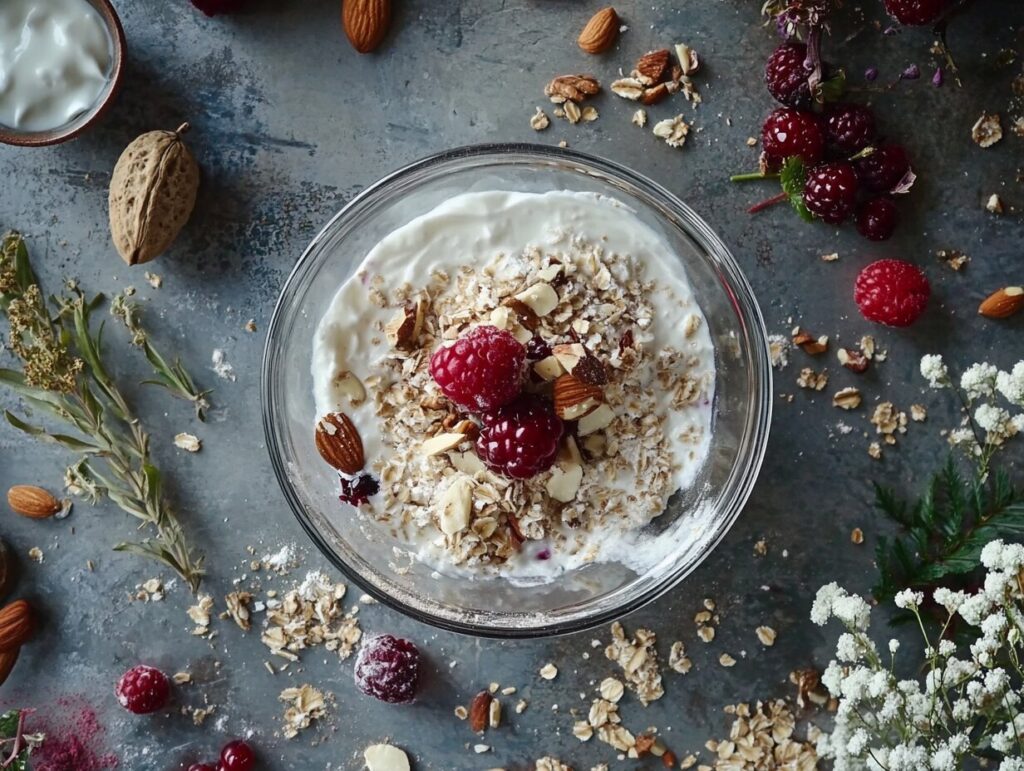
<point x="847" y="398"/>
<point x="987" y="130"/>
<point x="652" y="66"/>
<point x="574" y="88"/>
<point x="494" y="714"/>
<point x="857" y="536"/>
<point x="640" y="118"/>
<point x="994" y="204"/>
<point x="830" y="257"/>
<point x="677" y="659"/>
<point x="812" y="380"/>
<point x="918" y="413"/>
<point x="855" y="361"/>
<point x="456" y="505"/>
<point x="954" y="259"/>
<point x="435" y="445"/>
<point x="188" y="442"/>
<point x="766" y="635"/>
<point x="809" y="344"/>
<point x="461" y="712"/>
<point x="541" y="298"/>
<point x="689" y="62"/>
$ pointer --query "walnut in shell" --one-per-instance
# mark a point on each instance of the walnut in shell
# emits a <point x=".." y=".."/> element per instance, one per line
<point x="152" y="194"/>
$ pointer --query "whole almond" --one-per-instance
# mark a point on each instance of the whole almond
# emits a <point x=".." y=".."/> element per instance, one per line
<point x="573" y="398"/>
<point x="152" y="194"/>
<point x="479" y="711"/>
<point x="366" y="23"/>
<point x="338" y="442"/>
<point x="16" y="624"/>
<point x="8" y="659"/>
<point x="1003" y="303"/>
<point x="32" y="502"/>
<point x="600" y="32"/>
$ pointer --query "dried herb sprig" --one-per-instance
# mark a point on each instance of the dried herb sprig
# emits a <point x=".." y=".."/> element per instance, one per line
<point x="65" y="378"/>
<point x="15" y="745"/>
<point x="172" y="376"/>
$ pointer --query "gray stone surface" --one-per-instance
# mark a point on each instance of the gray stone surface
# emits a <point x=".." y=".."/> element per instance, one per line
<point x="289" y="124"/>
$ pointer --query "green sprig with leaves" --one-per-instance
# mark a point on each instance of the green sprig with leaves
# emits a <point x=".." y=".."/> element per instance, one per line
<point x="63" y="376"/>
<point x="16" y="746"/>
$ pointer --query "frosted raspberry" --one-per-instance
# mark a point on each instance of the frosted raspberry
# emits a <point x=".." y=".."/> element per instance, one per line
<point x="482" y="370"/>
<point x="143" y="689"/>
<point x="388" y="668"/>
<point x="892" y="292"/>
<point x="521" y="439"/>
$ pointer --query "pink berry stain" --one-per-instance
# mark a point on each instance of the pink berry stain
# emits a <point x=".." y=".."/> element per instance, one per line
<point x="74" y="738"/>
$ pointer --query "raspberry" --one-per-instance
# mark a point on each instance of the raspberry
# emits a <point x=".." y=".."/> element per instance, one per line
<point x="482" y="370"/>
<point x="877" y="218"/>
<point x="788" y="132"/>
<point x="786" y="76"/>
<point x="915" y="12"/>
<point x="884" y="168"/>
<point x="201" y="767"/>
<point x="521" y="439"/>
<point x="830" y="191"/>
<point x="214" y="7"/>
<point x="388" y="669"/>
<point x="891" y="292"/>
<point x="143" y="689"/>
<point x="358" y="489"/>
<point x="849" y="128"/>
<point x="237" y="756"/>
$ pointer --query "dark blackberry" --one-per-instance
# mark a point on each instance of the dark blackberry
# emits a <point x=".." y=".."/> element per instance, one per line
<point x="877" y="218"/>
<point x="830" y="192"/>
<point x="849" y="128"/>
<point x="788" y="132"/>
<point x="881" y="171"/>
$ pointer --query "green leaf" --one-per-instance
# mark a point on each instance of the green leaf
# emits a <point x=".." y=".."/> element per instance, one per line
<point x="41" y="433"/>
<point x="792" y="177"/>
<point x="9" y="723"/>
<point x="832" y="90"/>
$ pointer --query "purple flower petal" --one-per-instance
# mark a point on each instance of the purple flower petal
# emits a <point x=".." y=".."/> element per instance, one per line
<point x="871" y="73"/>
<point x="937" y="77"/>
<point x="913" y="72"/>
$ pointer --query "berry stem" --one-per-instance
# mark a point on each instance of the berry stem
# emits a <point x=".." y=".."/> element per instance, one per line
<point x="751" y="176"/>
<point x="813" y="60"/>
<point x="770" y="202"/>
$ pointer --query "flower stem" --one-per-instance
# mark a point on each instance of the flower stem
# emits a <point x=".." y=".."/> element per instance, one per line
<point x="770" y="202"/>
<point x="750" y="176"/>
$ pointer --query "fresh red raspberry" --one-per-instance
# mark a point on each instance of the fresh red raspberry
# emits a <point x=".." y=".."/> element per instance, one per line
<point x="521" y="439"/>
<point x="237" y="756"/>
<point x="877" y="218"/>
<point x="388" y="669"/>
<point x="788" y="132"/>
<point x="482" y="370"/>
<point x="891" y="292"/>
<point x="849" y="128"/>
<point x="214" y="7"/>
<point x="830" y="191"/>
<point x="881" y="171"/>
<point x="202" y="767"/>
<point x="915" y="12"/>
<point x="786" y="76"/>
<point x="143" y="689"/>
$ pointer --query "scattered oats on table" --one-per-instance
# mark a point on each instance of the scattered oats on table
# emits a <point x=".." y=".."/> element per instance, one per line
<point x="918" y="413"/>
<point x="188" y="442"/>
<point x="875" y="450"/>
<point x="639" y="661"/>
<point x="549" y="671"/>
<point x="36" y="554"/>
<point x="987" y="130"/>
<point x="848" y="398"/>
<point x="677" y="658"/>
<point x="200" y="614"/>
<point x="726" y="660"/>
<point x="238" y="609"/>
<point x="816" y="381"/>
<point x="539" y="120"/>
<point x="639" y="118"/>
<point x="766" y="635"/>
<point x="673" y="130"/>
<point x="305" y="704"/>
<point x="154" y="280"/>
<point x="833" y="257"/>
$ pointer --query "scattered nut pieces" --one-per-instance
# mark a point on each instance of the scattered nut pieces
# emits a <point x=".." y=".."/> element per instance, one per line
<point x="847" y="399"/>
<point x="813" y="346"/>
<point x="639" y="661"/>
<point x="766" y="635"/>
<point x="187" y="442"/>
<point x="677" y="659"/>
<point x="384" y="757"/>
<point x="954" y="259"/>
<point x="574" y="88"/>
<point x="918" y="413"/>
<point x="987" y="130"/>
<point x="857" y="536"/>
<point x="238" y="609"/>
<point x="994" y="204"/>
<point x="688" y="60"/>
<point x="640" y="118"/>
<point x="830" y="257"/>
<point x="706" y="633"/>
<point x="855" y="361"/>
<point x="812" y="380"/>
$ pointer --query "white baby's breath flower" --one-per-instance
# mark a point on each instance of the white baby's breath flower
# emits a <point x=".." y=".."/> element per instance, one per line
<point x="1011" y="384"/>
<point x="949" y="599"/>
<point x="894" y="645"/>
<point x="979" y="380"/>
<point x="994" y="420"/>
<point x="934" y="370"/>
<point x="908" y="599"/>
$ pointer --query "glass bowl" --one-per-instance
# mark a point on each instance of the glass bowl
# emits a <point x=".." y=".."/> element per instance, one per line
<point x="695" y="520"/>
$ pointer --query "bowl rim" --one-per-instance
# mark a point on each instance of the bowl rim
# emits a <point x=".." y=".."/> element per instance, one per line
<point x="71" y="129"/>
<point x="757" y="427"/>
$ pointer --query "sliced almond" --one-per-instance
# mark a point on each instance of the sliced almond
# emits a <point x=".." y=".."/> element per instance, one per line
<point x="541" y="298"/>
<point x="601" y="417"/>
<point x="549" y="368"/>
<point x="569" y="355"/>
<point x="467" y="462"/>
<point x="573" y="398"/>
<point x="689" y="62"/>
<point x="351" y="387"/>
<point x="403" y="331"/>
<point x="1003" y="303"/>
<point x="384" y="757"/>
<point x="566" y="475"/>
<point x="435" y="445"/>
<point x="550" y="272"/>
<point x="456" y="506"/>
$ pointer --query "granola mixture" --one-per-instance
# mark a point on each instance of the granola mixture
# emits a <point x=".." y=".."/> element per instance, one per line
<point x="580" y="271"/>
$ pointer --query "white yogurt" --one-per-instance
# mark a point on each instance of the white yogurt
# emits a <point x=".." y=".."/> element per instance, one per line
<point x="55" y="60"/>
<point x="477" y="228"/>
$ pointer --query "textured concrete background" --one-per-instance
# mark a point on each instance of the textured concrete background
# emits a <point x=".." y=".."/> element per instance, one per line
<point x="289" y="123"/>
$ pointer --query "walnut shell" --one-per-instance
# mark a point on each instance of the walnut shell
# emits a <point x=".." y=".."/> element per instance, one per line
<point x="152" y="193"/>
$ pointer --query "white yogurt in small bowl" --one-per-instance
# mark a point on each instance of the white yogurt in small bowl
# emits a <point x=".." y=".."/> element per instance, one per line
<point x="60" y="63"/>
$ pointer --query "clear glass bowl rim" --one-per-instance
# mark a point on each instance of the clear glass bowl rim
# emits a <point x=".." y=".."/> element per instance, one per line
<point x="744" y="473"/>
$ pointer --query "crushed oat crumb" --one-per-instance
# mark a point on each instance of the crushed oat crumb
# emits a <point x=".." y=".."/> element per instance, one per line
<point x="987" y="130"/>
<point x="304" y="705"/>
<point x="816" y="381"/>
<point x="766" y="635"/>
<point x="639" y="661"/>
<point x="539" y="120"/>
<point x="549" y="671"/>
